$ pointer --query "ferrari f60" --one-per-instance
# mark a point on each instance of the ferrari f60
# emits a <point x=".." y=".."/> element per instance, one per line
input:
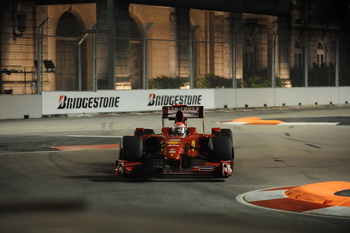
<point x="177" y="150"/>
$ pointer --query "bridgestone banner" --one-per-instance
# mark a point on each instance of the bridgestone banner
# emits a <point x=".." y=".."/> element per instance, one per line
<point x="160" y="100"/>
<point x="122" y="101"/>
<point x="87" y="102"/>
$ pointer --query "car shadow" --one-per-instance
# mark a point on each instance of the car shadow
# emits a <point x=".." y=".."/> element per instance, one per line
<point x="120" y="179"/>
<point x="104" y="172"/>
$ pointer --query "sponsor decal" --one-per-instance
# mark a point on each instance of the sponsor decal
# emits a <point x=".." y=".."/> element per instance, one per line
<point x="193" y="144"/>
<point x="206" y="168"/>
<point x="160" y="100"/>
<point x="65" y="102"/>
<point x="173" y="143"/>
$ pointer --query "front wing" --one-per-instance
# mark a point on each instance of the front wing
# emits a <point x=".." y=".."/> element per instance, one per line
<point x="220" y="169"/>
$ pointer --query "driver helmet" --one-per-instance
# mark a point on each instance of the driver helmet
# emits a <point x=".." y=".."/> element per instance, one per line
<point x="179" y="129"/>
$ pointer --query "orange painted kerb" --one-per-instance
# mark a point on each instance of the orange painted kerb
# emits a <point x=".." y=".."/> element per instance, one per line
<point x="88" y="147"/>
<point x="321" y="193"/>
<point x="256" y="121"/>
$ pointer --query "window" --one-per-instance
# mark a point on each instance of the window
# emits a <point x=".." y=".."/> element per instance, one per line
<point x="249" y="56"/>
<point x="68" y="26"/>
<point x="320" y="58"/>
<point x="68" y="30"/>
<point x="298" y="55"/>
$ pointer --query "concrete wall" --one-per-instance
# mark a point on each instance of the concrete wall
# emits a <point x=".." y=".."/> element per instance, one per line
<point x="20" y="106"/>
<point x="259" y="97"/>
<point x="34" y="106"/>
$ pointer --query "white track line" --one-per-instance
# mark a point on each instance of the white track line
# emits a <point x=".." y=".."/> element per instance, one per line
<point x="93" y="136"/>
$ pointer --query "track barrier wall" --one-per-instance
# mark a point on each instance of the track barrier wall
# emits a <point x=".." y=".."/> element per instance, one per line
<point x="20" y="106"/>
<point x="123" y="101"/>
<point x="63" y="103"/>
<point x="278" y="97"/>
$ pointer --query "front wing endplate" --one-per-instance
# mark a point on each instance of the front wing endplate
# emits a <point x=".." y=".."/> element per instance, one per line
<point x="221" y="169"/>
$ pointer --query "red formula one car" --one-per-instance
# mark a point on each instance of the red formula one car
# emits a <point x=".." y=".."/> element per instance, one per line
<point x="177" y="150"/>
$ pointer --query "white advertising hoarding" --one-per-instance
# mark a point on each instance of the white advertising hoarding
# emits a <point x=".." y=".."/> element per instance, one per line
<point x="122" y="101"/>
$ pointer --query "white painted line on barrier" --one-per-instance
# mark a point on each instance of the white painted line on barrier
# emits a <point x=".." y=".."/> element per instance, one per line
<point x="27" y="152"/>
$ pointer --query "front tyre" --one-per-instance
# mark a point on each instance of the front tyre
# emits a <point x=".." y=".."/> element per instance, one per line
<point x="132" y="149"/>
<point x="221" y="148"/>
<point x="227" y="133"/>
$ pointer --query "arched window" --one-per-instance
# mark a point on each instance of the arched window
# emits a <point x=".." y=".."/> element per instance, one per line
<point x="249" y="55"/>
<point x="135" y="33"/>
<point x="320" y="58"/>
<point x="68" y="26"/>
<point x="68" y="31"/>
<point x="298" y="55"/>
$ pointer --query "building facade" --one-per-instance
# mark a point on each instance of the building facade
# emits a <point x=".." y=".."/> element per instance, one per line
<point x="105" y="44"/>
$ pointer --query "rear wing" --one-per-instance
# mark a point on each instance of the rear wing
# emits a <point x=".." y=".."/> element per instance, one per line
<point x="172" y="112"/>
<point x="182" y="112"/>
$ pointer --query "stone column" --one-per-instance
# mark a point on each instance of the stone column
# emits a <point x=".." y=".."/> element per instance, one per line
<point x="3" y="6"/>
<point x="227" y="46"/>
<point x="103" y="45"/>
<point x="237" y="34"/>
<point x="113" y="39"/>
<point x="271" y="30"/>
<point x="173" y="61"/>
<point x="284" y="47"/>
<point x="122" y="41"/>
<point x="183" y="34"/>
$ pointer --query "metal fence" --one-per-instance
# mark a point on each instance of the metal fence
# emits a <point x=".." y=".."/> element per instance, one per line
<point x="157" y="58"/>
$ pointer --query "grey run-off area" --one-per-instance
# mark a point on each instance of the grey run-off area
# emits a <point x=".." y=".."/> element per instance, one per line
<point x="43" y="188"/>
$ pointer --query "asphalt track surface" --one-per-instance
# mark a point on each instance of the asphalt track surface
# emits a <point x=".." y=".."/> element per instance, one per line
<point x="46" y="189"/>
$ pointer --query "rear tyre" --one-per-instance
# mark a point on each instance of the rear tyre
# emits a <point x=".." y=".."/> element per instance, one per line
<point x="132" y="149"/>
<point x="221" y="149"/>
